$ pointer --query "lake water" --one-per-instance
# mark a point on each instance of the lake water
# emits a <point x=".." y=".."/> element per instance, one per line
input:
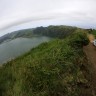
<point x="19" y="46"/>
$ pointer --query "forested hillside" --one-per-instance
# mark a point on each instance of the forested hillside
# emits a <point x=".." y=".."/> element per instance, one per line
<point x="17" y="34"/>
<point x="55" y="31"/>
<point x="50" y="31"/>
<point x="56" y="68"/>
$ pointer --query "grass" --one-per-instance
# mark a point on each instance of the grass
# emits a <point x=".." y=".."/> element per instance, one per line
<point x="56" y="68"/>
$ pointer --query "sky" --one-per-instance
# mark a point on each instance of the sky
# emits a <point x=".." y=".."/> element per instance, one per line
<point x="22" y="14"/>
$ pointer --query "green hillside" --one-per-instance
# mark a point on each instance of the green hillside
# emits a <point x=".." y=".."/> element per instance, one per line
<point x="56" y="68"/>
<point x="17" y="34"/>
<point x="50" y="31"/>
<point x="55" y="31"/>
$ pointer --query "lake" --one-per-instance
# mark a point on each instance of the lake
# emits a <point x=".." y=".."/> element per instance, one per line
<point x="14" y="48"/>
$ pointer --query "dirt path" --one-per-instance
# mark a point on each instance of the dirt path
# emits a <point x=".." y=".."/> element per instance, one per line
<point x="90" y="51"/>
<point x="91" y="37"/>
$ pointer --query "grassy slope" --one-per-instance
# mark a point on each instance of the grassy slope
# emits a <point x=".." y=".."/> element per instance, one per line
<point x="57" y="68"/>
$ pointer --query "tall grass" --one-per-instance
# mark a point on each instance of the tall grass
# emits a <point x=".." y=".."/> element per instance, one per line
<point x="57" y="68"/>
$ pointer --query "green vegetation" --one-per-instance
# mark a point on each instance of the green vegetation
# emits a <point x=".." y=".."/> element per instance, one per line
<point x="50" y="31"/>
<point x="94" y="33"/>
<point x="21" y="33"/>
<point x="57" y="68"/>
<point x="55" y="31"/>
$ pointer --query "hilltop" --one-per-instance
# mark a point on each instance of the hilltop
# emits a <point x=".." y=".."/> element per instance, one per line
<point x="55" y="68"/>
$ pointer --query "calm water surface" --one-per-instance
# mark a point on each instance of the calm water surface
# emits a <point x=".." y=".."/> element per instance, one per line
<point x="19" y="46"/>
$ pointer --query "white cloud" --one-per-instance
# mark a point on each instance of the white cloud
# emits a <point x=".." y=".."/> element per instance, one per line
<point x="15" y="12"/>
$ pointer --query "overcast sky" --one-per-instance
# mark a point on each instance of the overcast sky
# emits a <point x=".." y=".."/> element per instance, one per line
<point x="18" y="14"/>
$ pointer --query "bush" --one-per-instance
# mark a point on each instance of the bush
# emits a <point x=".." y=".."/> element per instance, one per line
<point x="79" y="39"/>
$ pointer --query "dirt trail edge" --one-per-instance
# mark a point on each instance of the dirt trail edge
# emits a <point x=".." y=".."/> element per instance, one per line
<point x="90" y="51"/>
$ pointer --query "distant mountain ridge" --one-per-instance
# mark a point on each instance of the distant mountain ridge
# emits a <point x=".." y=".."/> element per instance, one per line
<point x="16" y="34"/>
<point x="51" y="31"/>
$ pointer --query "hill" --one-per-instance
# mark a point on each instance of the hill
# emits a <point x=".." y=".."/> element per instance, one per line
<point x="56" y="68"/>
<point x="50" y="31"/>
<point x="16" y="34"/>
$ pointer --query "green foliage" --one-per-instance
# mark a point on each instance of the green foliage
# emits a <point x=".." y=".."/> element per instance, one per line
<point x="94" y="33"/>
<point x="79" y="40"/>
<point x="56" y="68"/>
<point x="55" y="31"/>
<point x="50" y="31"/>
